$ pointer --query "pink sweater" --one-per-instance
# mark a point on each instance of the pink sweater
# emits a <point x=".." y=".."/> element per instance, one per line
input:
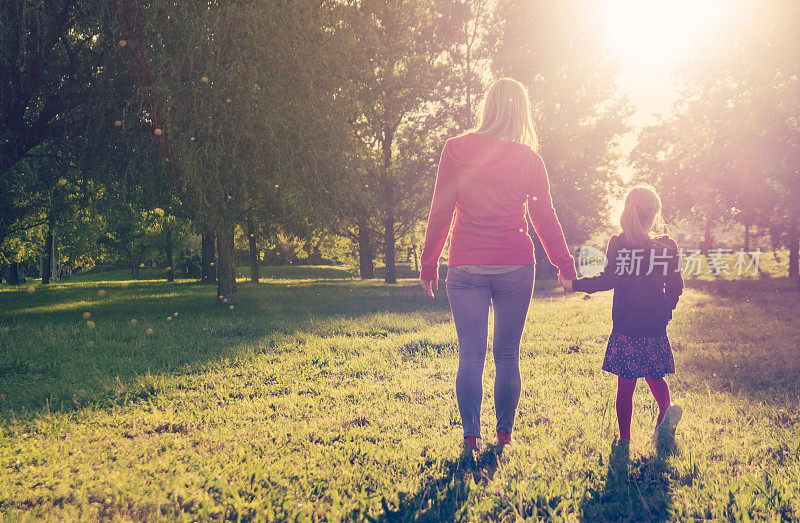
<point x="491" y="184"/>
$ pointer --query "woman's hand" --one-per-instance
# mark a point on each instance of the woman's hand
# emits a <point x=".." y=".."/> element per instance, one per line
<point x="429" y="286"/>
<point x="567" y="284"/>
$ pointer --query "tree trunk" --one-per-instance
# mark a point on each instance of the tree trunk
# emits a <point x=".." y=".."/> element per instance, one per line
<point x="215" y="264"/>
<point x="54" y="265"/>
<point x="226" y="265"/>
<point x="389" y="204"/>
<point x="204" y="258"/>
<point x="707" y="239"/>
<point x="416" y="259"/>
<point x="134" y="261"/>
<point x="255" y="267"/>
<point x="316" y="256"/>
<point x="131" y="264"/>
<point x="47" y="264"/>
<point x="168" y="246"/>
<point x="12" y="276"/>
<point x="365" y="255"/>
<point x="793" y="243"/>
<point x="209" y="273"/>
<point x="774" y="238"/>
<point x="389" y="242"/>
<point x="746" y="237"/>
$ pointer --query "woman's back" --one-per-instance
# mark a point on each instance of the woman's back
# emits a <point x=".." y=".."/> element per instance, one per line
<point x="490" y="201"/>
<point x="488" y="182"/>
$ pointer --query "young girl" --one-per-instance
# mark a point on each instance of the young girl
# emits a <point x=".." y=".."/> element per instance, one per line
<point x="645" y="273"/>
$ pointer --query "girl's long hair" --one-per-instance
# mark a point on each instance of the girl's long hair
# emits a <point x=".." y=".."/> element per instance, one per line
<point x="505" y="113"/>
<point x="642" y="212"/>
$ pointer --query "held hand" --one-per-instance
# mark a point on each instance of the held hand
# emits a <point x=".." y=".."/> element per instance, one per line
<point x="428" y="286"/>
<point x="567" y="284"/>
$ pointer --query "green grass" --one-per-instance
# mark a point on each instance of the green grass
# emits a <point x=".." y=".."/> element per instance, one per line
<point x="321" y="396"/>
<point x="145" y="274"/>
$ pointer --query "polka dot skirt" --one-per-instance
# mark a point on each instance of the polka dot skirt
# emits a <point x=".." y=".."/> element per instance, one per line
<point x="633" y="357"/>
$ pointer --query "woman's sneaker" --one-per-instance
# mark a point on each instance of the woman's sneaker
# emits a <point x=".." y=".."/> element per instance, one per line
<point x="667" y="427"/>
<point x="503" y="438"/>
<point x="473" y="443"/>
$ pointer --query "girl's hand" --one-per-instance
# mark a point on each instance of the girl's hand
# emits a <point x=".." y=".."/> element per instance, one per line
<point x="428" y="286"/>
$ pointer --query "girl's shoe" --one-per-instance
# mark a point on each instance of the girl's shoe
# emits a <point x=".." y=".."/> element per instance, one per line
<point x="667" y="427"/>
<point x="473" y="443"/>
<point x="503" y="438"/>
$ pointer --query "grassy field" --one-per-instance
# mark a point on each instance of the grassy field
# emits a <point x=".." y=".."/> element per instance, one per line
<point x="324" y="397"/>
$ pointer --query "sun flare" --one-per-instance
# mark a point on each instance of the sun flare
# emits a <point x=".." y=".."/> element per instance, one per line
<point x="658" y="34"/>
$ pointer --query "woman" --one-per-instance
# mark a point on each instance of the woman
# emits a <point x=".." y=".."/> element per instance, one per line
<point x="489" y="175"/>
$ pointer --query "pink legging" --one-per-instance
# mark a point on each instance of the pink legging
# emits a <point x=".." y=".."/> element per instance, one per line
<point x="625" y="389"/>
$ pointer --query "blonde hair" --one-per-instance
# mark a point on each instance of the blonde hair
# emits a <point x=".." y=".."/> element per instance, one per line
<point x="505" y="113"/>
<point x="641" y="214"/>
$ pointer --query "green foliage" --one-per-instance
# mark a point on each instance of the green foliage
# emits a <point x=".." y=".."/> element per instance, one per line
<point x="52" y="64"/>
<point x="243" y="109"/>
<point x="132" y="233"/>
<point x="395" y="52"/>
<point x="224" y="112"/>
<point x="230" y="82"/>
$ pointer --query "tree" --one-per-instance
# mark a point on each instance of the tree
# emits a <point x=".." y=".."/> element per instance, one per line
<point x="467" y="32"/>
<point x="133" y="233"/>
<point x="729" y="150"/>
<point x="52" y="54"/>
<point x="397" y="74"/>
<point x="238" y="100"/>
<point x="556" y="49"/>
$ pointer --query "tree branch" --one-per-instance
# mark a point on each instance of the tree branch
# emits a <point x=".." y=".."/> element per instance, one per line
<point x="21" y="228"/>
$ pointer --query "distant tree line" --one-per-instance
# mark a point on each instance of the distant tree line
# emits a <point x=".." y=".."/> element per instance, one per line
<point x="166" y="130"/>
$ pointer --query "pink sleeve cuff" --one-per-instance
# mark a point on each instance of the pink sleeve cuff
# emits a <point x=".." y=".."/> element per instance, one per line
<point x="568" y="273"/>
<point x="429" y="273"/>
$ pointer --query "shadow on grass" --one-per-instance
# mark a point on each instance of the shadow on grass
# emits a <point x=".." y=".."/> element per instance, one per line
<point x="441" y="498"/>
<point x="51" y="360"/>
<point x="633" y="491"/>
<point x="741" y="337"/>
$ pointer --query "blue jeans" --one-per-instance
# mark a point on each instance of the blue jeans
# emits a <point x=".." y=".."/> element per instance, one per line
<point x="470" y="296"/>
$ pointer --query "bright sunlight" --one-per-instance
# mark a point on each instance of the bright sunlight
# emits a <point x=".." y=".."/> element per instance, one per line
<point x="649" y="34"/>
<point x="652" y="39"/>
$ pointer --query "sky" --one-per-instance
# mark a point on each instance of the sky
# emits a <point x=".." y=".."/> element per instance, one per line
<point x="651" y="39"/>
<point x="651" y="90"/>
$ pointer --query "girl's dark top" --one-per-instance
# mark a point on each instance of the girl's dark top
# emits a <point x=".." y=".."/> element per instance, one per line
<point x="647" y="283"/>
